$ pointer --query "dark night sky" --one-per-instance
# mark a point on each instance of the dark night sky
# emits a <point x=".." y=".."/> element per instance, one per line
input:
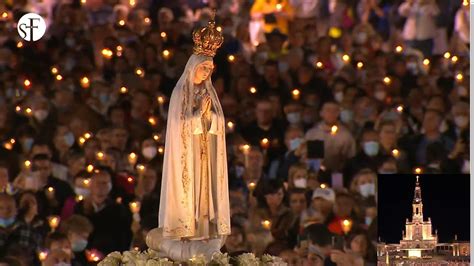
<point x="445" y="200"/>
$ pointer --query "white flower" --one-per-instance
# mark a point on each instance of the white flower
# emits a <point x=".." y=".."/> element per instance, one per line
<point x="198" y="260"/>
<point x="268" y="260"/>
<point x="247" y="259"/>
<point x="113" y="259"/>
<point x="220" y="259"/>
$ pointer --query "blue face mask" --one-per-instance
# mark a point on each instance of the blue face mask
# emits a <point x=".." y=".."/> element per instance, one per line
<point x="27" y="144"/>
<point x="104" y="98"/>
<point x="295" y="143"/>
<point x="79" y="245"/>
<point x="293" y="118"/>
<point x="69" y="139"/>
<point x="314" y="164"/>
<point x="6" y="222"/>
<point x="346" y="116"/>
<point x="239" y="171"/>
<point x="371" y="148"/>
<point x="368" y="220"/>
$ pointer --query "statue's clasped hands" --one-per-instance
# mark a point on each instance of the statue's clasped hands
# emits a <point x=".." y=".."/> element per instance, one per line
<point x="206" y="104"/>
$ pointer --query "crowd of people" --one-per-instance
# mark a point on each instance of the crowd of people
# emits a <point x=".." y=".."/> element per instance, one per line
<point x="319" y="96"/>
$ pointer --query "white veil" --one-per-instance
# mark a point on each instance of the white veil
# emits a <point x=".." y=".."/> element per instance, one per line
<point x="176" y="214"/>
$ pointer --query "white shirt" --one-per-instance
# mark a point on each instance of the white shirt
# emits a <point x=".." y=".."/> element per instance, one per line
<point x="420" y="24"/>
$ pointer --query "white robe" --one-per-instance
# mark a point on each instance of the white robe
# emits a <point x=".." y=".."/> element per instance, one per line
<point x="181" y="180"/>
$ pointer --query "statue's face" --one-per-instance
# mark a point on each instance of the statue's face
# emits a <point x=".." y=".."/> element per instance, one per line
<point x="203" y="71"/>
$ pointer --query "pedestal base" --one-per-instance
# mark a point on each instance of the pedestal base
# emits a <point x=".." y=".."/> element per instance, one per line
<point x="179" y="250"/>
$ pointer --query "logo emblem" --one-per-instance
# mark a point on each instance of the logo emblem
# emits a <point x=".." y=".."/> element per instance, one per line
<point x="31" y="27"/>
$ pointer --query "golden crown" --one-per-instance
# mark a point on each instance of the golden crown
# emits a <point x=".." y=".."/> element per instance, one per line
<point x="207" y="39"/>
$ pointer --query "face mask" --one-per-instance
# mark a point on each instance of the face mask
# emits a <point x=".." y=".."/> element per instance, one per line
<point x="82" y="191"/>
<point x="79" y="245"/>
<point x="69" y="139"/>
<point x="6" y="222"/>
<point x="27" y="143"/>
<point x="70" y="42"/>
<point x="293" y="118"/>
<point x="62" y="263"/>
<point x="239" y="171"/>
<point x="346" y="116"/>
<point x="361" y="37"/>
<point x="283" y="67"/>
<point x="104" y="98"/>
<point x="149" y="152"/>
<point x="308" y="119"/>
<point x="300" y="182"/>
<point x="313" y="164"/>
<point x="461" y="121"/>
<point x="443" y="127"/>
<point x="295" y="143"/>
<point x="412" y="67"/>
<point x="462" y="91"/>
<point x="40" y="115"/>
<point x="380" y="95"/>
<point x="371" y="148"/>
<point x="387" y="172"/>
<point x="368" y="220"/>
<point x="339" y="96"/>
<point x="367" y="190"/>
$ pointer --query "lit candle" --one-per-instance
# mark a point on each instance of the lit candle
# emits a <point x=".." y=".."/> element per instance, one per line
<point x="334" y="130"/>
<point x="426" y="62"/>
<point x="163" y="35"/>
<point x="418" y="170"/>
<point x="119" y="48"/>
<point x="230" y="126"/>
<point x="161" y="150"/>
<point x="459" y="77"/>
<point x="147" y="21"/>
<point x="87" y="135"/>
<point x="134" y="206"/>
<point x="140" y="72"/>
<point x="360" y="65"/>
<point x="346" y="225"/>
<point x="27" y="83"/>
<point x="53" y="222"/>
<point x="454" y="59"/>
<point x="395" y="153"/>
<point x="107" y="53"/>
<point x="346" y="58"/>
<point x="152" y="121"/>
<point x="400" y="108"/>
<point x="231" y="58"/>
<point x="130" y="179"/>
<point x="83" y="2"/>
<point x="387" y="80"/>
<point x="100" y="156"/>
<point x="118" y="200"/>
<point x="86" y="182"/>
<point x="265" y="143"/>
<point x="85" y="82"/>
<point x="160" y="99"/>
<point x="28" y="111"/>
<point x="90" y="168"/>
<point x="295" y="94"/>
<point x="279" y="7"/>
<point x="245" y="149"/>
<point x="54" y="70"/>
<point x="136" y="248"/>
<point x="50" y="193"/>
<point x="121" y="22"/>
<point x="253" y="90"/>
<point x="319" y="64"/>
<point x="132" y="3"/>
<point x="59" y="77"/>
<point x="251" y="186"/>
<point x="156" y="137"/>
<point x="18" y="108"/>
<point x="92" y="256"/>
<point x="4" y="15"/>
<point x="141" y="169"/>
<point x="79" y="198"/>
<point x="399" y="49"/>
<point x="267" y="224"/>
<point x="19" y="45"/>
<point x="27" y="165"/>
<point x="219" y="28"/>
<point x="132" y="158"/>
<point x="82" y="140"/>
<point x="166" y="54"/>
<point x="323" y="186"/>
<point x="42" y="255"/>
<point x="123" y="90"/>
<point x="447" y="55"/>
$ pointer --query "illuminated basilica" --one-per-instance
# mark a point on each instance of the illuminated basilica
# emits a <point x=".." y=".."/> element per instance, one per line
<point x="419" y="246"/>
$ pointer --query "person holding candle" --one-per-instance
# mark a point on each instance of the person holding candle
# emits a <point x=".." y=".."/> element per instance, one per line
<point x="321" y="207"/>
<point x="77" y="229"/>
<point x="111" y="221"/>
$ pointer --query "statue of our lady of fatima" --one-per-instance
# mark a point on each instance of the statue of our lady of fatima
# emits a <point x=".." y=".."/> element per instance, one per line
<point x="194" y="215"/>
